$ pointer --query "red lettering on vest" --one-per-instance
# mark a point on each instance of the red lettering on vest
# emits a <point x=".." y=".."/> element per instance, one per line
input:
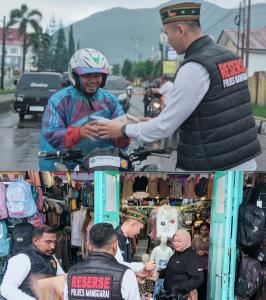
<point x="90" y="282"/>
<point x="106" y="285"/>
<point x="231" y="68"/>
<point x="95" y="282"/>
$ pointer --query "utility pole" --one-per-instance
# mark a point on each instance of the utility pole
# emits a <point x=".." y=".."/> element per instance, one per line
<point x="244" y="30"/>
<point x="3" y="53"/>
<point x="248" y="34"/>
<point x="238" y="23"/>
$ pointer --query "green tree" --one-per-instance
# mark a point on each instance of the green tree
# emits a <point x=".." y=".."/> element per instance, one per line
<point x="148" y="67"/>
<point x="25" y="18"/>
<point x="39" y="42"/>
<point x="71" y="43"/>
<point x="116" y="69"/>
<point x="61" y="55"/>
<point x="157" y="69"/>
<point x="127" y="69"/>
<point x="139" y="69"/>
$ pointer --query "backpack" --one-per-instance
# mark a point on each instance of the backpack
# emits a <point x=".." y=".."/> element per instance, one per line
<point x="37" y="196"/>
<point x="36" y="220"/>
<point x="251" y="222"/>
<point x="3" y="208"/>
<point x="20" y="203"/>
<point x="21" y="237"/>
<point x="249" y="277"/>
<point x="4" y="239"/>
<point x="3" y="267"/>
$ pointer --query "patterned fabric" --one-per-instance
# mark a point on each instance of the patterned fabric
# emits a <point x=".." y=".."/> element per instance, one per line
<point x="69" y="108"/>
<point x="180" y="12"/>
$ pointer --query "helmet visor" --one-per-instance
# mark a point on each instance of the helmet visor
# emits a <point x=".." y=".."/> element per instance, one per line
<point x="86" y="70"/>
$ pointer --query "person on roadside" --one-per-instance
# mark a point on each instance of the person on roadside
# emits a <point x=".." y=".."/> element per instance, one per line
<point x="164" y="91"/>
<point x="130" y="228"/>
<point x="25" y="268"/>
<point x="209" y="102"/>
<point x="70" y="116"/>
<point x="184" y="271"/>
<point x="200" y="245"/>
<point x="100" y="276"/>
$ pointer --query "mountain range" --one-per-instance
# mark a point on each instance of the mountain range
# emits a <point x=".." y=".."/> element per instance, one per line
<point x="134" y="34"/>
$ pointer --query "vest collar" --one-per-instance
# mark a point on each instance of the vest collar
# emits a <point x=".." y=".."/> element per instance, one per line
<point x="198" y="44"/>
<point x="100" y="254"/>
<point x="36" y="250"/>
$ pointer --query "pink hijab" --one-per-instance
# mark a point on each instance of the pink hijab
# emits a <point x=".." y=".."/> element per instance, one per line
<point x="185" y="238"/>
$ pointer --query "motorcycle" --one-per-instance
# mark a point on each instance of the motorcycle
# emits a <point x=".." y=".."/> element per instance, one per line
<point x="103" y="159"/>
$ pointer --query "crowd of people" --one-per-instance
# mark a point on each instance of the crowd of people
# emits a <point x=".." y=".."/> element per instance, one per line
<point x="107" y="271"/>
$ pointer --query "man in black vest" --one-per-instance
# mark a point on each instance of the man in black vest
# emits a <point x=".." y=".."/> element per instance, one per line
<point x="29" y="265"/>
<point x="210" y="101"/>
<point x="100" y="276"/>
<point x="134" y="222"/>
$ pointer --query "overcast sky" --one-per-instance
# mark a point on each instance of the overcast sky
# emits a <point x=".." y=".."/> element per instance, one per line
<point x="70" y="11"/>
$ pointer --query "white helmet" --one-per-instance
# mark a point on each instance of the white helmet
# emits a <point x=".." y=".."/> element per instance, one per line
<point x="85" y="61"/>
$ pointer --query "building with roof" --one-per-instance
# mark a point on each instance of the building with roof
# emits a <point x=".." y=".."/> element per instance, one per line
<point x="14" y="51"/>
<point x="257" y="57"/>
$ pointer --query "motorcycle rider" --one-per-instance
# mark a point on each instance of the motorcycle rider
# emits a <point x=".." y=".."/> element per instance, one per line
<point x="70" y="116"/>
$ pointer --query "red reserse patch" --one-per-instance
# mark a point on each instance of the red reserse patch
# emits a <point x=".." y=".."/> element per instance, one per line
<point x="91" y="286"/>
<point x="232" y="72"/>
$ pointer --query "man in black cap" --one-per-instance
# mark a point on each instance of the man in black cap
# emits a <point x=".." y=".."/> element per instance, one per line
<point x="100" y="276"/>
<point x="131" y="227"/>
<point x="210" y="101"/>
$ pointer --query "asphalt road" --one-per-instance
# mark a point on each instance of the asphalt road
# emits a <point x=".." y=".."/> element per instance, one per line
<point x="19" y="143"/>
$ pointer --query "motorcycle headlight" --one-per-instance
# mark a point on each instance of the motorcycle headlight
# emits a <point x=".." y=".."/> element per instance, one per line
<point x="122" y="97"/>
<point x="156" y="105"/>
<point x="19" y="99"/>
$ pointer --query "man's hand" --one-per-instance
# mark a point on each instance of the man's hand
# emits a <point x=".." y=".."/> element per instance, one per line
<point x="150" y="266"/>
<point x="106" y="130"/>
<point x="89" y="130"/>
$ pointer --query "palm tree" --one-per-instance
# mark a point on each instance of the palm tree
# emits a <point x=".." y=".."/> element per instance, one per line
<point x="25" y="17"/>
<point x="39" y="41"/>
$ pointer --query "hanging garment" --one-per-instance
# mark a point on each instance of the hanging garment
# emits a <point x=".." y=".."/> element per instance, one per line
<point x="175" y="188"/>
<point x="153" y="187"/>
<point x="127" y="188"/>
<point x="167" y="221"/>
<point x="78" y="218"/>
<point x="189" y="188"/>
<point x="164" y="188"/>
<point x="140" y="184"/>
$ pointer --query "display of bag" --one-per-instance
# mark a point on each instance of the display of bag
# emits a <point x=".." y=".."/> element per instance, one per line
<point x="21" y="237"/>
<point x="259" y="195"/>
<point x="20" y="203"/>
<point x="3" y="208"/>
<point x="4" y="239"/>
<point x="249" y="277"/>
<point x="37" y="220"/>
<point x="251" y="222"/>
<point x="37" y="195"/>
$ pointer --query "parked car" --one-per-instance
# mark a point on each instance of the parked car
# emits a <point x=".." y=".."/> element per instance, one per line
<point x="33" y="91"/>
<point x="118" y="86"/>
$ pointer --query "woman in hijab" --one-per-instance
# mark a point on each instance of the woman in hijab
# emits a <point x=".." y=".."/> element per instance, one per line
<point x="184" y="271"/>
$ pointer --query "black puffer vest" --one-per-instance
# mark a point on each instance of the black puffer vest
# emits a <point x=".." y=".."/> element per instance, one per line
<point x="98" y="277"/>
<point x="124" y="245"/>
<point x="41" y="265"/>
<point x="220" y="133"/>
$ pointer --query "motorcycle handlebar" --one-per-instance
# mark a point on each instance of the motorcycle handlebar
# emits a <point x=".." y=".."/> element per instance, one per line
<point x="64" y="153"/>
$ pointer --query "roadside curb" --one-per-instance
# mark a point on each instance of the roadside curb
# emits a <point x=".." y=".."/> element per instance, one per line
<point x="261" y="124"/>
<point x="6" y="102"/>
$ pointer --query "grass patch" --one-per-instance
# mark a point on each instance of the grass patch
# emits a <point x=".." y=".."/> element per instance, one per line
<point x="6" y="91"/>
<point x="259" y="111"/>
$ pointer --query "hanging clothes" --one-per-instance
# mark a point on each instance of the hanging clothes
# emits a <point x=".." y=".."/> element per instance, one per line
<point x="127" y="187"/>
<point x="167" y="221"/>
<point x="189" y="188"/>
<point x="163" y="188"/>
<point x="153" y="187"/>
<point x="140" y="184"/>
<point x="175" y="188"/>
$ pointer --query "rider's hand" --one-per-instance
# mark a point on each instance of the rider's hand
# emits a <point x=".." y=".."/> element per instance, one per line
<point x="108" y="130"/>
<point x="89" y="131"/>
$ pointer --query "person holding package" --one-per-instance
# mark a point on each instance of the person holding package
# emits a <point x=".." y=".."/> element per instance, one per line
<point x="100" y="276"/>
<point x="209" y="102"/>
<point x="184" y="271"/>
<point x="25" y="268"/>
<point x="70" y="115"/>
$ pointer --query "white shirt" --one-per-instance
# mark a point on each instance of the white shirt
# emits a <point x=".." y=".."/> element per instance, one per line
<point x="183" y="101"/>
<point x="18" y="268"/>
<point x="134" y="266"/>
<point x="166" y="90"/>
<point x="161" y="255"/>
<point x="129" y="287"/>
